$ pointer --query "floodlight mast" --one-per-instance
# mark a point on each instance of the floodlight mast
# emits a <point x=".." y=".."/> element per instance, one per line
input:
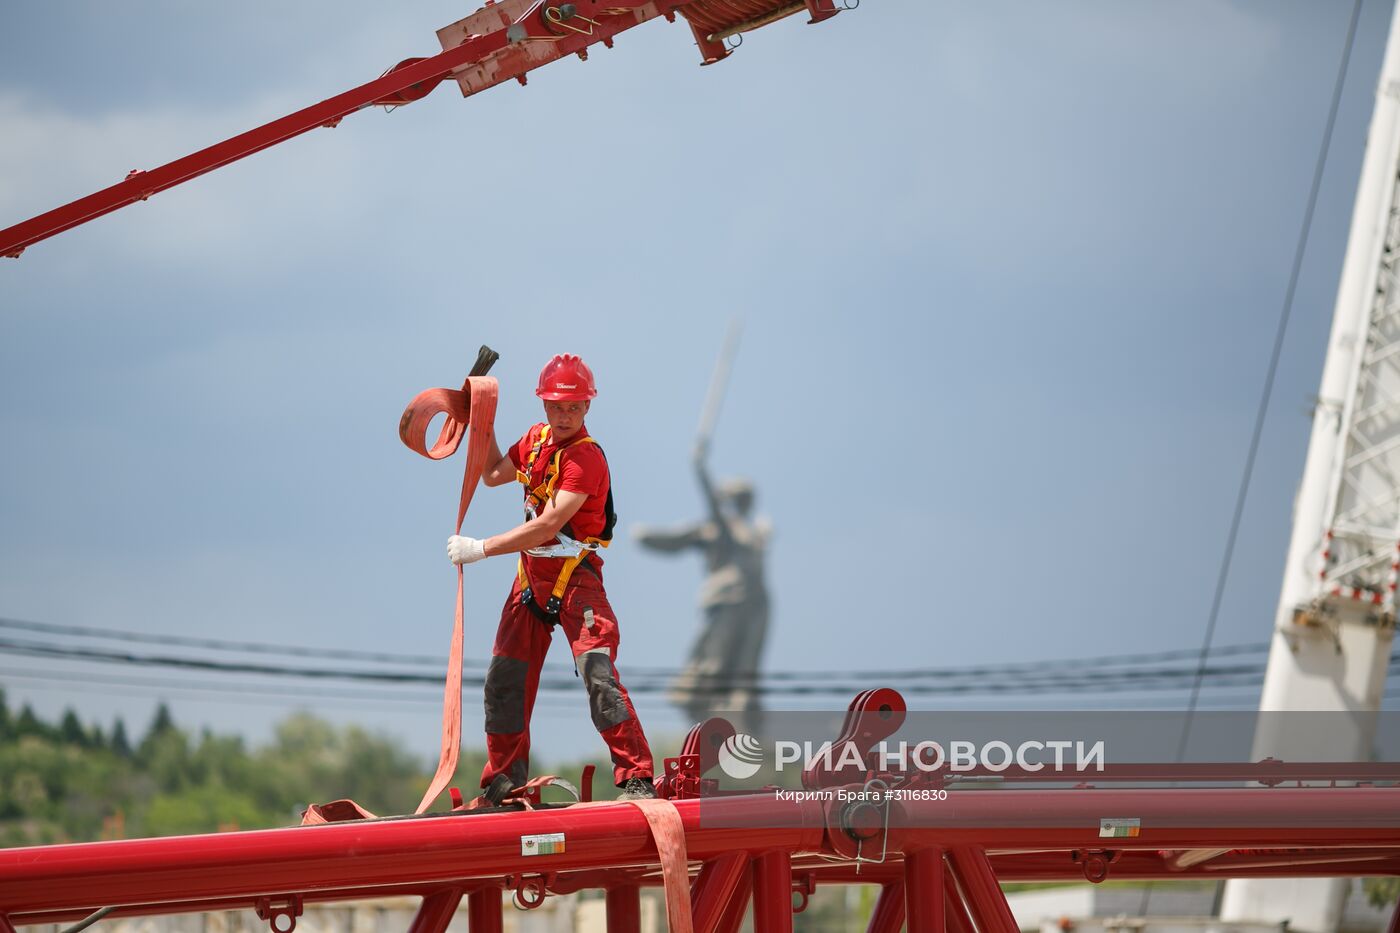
<point x="1336" y="612"/>
<point x="502" y="41"/>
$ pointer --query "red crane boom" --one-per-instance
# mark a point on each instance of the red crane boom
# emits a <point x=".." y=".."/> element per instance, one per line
<point x="500" y="42"/>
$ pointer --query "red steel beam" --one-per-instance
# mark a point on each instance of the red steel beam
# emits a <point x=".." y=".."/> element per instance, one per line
<point x="1143" y="865"/>
<point x="985" y="899"/>
<point x="738" y="906"/>
<point x="1227" y="772"/>
<point x="888" y="915"/>
<point x="603" y="878"/>
<point x="484" y="911"/>
<point x="1044" y="866"/>
<point x="1131" y="864"/>
<point x="610" y="843"/>
<point x="436" y="911"/>
<point x="409" y="81"/>
<point x="141" y="185"/>
<point x="1172" y="818"/>
<point x="624" y="909"/>
<point x="443" y="849"/>
<point x="956" y="917"/>
<point x="219" y="904"/>
<point x="772" y="893"/>
<point x="923" y="890"/>
<point x="716" y="886"/>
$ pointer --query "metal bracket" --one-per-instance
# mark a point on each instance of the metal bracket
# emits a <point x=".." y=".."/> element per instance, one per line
<point x="804" y="885"/>
<point x="682" y="778"/>
<point x="1095" y="862"/>
<point x="531" y="890"/>
<point x="282" y="916"/>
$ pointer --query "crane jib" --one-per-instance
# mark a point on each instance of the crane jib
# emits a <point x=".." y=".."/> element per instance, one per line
<point x="500" y="42"/>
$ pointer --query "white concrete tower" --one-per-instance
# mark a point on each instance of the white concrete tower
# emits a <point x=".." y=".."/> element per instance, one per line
<point x="1336" y="612"/>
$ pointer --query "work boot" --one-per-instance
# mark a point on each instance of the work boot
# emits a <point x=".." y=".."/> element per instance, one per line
<point x="637" y="789"/>
<point x="497" y="790"/>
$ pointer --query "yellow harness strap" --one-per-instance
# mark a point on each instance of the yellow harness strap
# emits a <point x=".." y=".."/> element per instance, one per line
<point x="535" y="500"/>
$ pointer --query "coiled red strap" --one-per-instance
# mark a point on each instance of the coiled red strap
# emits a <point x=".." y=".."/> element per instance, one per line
<point x="470" y="411"/>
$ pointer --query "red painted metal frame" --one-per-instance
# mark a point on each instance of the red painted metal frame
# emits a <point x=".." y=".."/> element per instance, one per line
<point x="499" y="54"/>
<point x="888" y="915"/>
<point x="940" y="862"/>
<point x="624" y="907"/>
<point x="405" y="82"/>
<point x="772" y="893"/>
<point x="140" y="185"/>
<point x="484" y="910"/>
<point x="994" y="836"/>
<point x="923" y="890"/>
<point x="956" y="916"/>
<point x="733" y="916"/>
<point x="718" y="884"/>
<point x="985" y="900"/>
<point x="436" y="911"/>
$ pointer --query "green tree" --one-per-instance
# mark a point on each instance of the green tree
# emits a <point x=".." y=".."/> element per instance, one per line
<point x="55" y="787"/>
<point x="121" y="745"/>
<point x="71" y="731"/>
<point x="162" y="723"/>
<point x="29" y="724"/>
<point x="1382" y="892"/>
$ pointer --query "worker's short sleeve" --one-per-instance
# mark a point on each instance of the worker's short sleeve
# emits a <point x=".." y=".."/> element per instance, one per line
<point x="584" y="470"/>
<point x="520" y="450"/>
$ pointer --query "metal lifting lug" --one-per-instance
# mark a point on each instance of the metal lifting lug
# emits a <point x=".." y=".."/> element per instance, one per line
<point x="282" y="916"/>
<point x="1095" y="862"/>
<point x="531" y="890"/>
<point x="803" y="886"/>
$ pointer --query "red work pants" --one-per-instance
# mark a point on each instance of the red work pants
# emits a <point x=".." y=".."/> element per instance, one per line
<point x="512" y="680"/>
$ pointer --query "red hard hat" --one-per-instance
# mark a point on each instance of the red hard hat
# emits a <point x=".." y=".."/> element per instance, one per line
<point x="566" y="378"/>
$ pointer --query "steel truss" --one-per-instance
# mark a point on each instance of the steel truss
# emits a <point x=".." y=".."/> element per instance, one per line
<point x="939" y="862"/>
<point x="1359" y="553"/>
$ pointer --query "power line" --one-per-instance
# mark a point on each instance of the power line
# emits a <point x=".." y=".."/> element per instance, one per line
<point x="1158" y="679"/>
<point x="1099" y="662"/>
<point x="217" y="644"/>
<point x="260" y="694"/>
<point x="1260" y="415"/>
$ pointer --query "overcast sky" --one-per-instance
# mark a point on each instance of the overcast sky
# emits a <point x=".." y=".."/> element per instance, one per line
<point x="1009" y="274"/>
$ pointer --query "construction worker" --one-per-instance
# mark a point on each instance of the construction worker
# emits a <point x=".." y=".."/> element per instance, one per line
<point x="559" y="583"/>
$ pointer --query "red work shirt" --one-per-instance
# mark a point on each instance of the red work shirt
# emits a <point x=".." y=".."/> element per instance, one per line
<point x="582" y="469"/>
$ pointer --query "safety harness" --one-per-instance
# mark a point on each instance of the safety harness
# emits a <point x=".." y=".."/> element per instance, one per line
<point x="574" y="551"/>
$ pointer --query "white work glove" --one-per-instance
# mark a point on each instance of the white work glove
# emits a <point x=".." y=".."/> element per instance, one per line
<point x="462" y="550"/>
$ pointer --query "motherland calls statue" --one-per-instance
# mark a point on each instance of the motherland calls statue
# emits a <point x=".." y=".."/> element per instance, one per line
<point x="721" y="673"/>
